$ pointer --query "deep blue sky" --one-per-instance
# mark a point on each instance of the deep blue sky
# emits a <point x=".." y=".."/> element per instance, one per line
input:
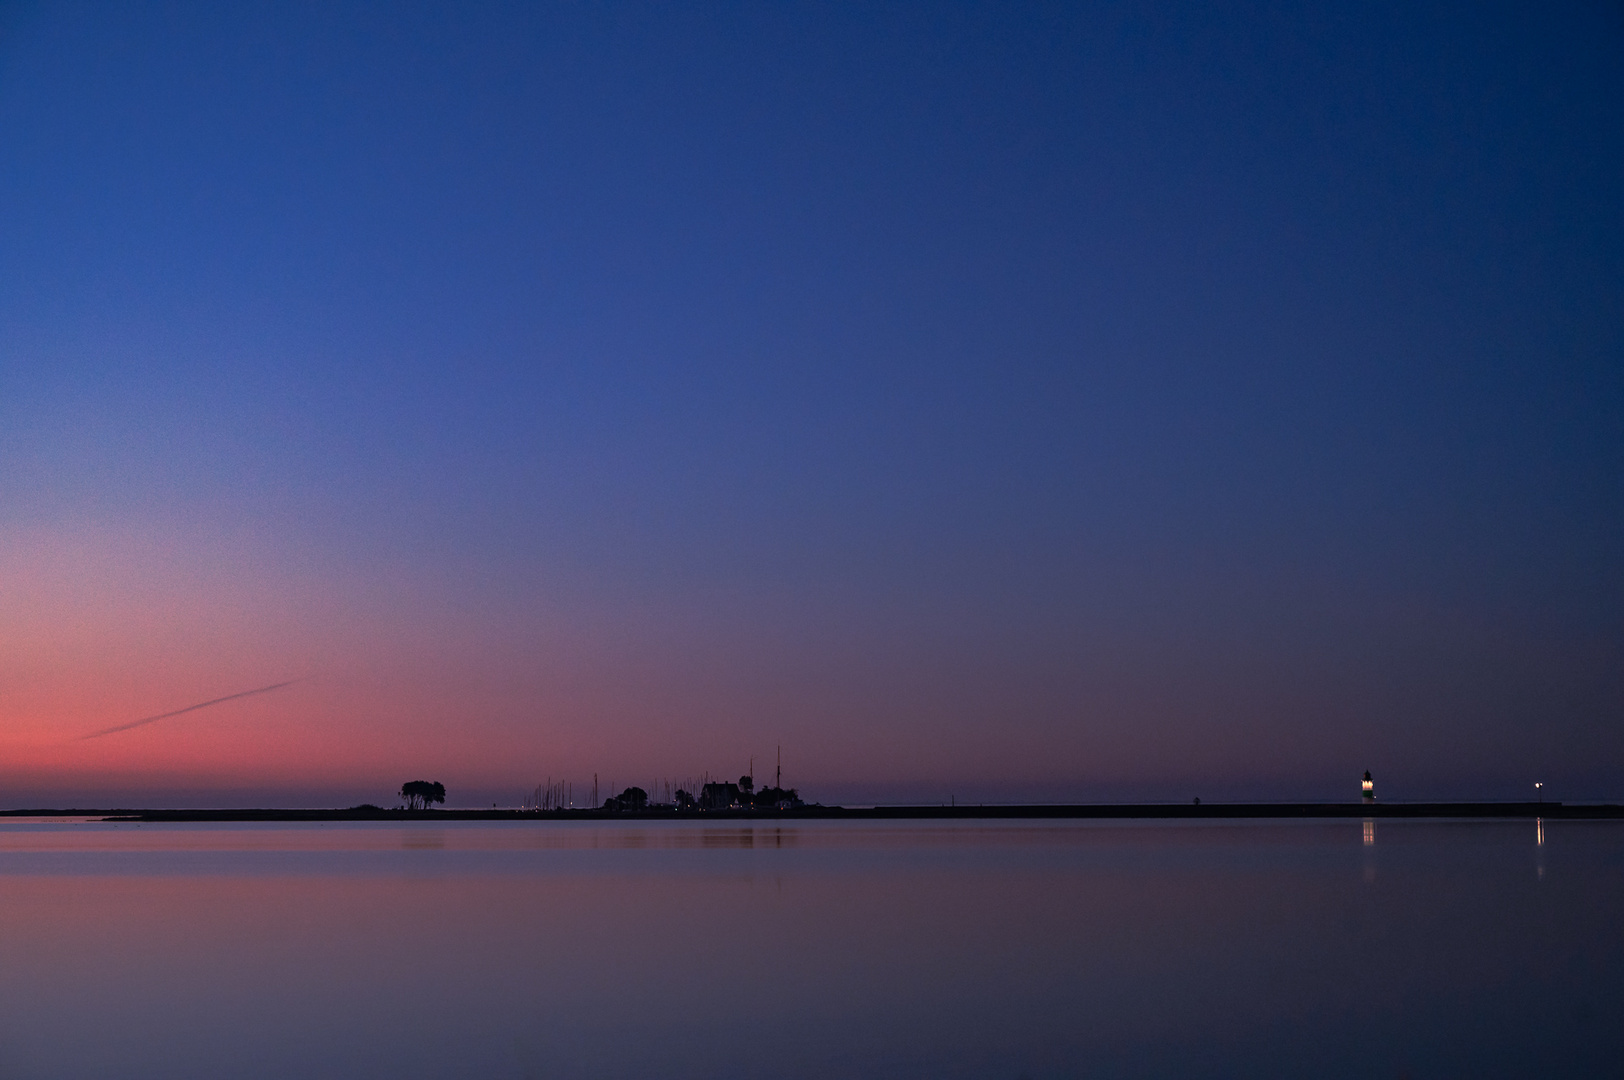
<point x="1085" y="400"/>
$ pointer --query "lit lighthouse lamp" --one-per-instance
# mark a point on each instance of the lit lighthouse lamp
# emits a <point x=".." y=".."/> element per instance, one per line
<point x="1368" y="788"/>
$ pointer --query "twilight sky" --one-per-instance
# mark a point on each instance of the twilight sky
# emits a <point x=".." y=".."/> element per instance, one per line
<point x="1021" y="401"/>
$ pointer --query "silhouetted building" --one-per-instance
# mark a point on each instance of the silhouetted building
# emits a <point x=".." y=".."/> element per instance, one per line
<point x="720" y="796"/>
<point x="1368" y="788"/>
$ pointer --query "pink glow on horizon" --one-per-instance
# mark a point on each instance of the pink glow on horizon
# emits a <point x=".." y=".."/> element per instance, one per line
<point x="103" y="627"/>
<point x="100" y="628"/>
<point x="401" y="675"/>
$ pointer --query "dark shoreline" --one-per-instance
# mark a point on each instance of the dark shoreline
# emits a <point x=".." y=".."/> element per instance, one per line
<point x="1097" y="811"/>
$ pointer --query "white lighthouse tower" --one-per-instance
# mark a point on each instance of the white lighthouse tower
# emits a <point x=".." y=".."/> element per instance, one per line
<point x="1368" y="788"/>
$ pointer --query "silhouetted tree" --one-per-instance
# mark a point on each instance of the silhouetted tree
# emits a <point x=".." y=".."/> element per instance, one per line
<point x="633" y="798"/>
<point x="769" y="798"/>
<point x="420" y="793"/>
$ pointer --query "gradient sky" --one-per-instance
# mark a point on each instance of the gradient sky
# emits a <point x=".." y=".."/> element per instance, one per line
<point x="1072" y="402"/>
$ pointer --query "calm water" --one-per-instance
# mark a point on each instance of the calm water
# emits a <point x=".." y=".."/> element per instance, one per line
<point x="818" y="950"/>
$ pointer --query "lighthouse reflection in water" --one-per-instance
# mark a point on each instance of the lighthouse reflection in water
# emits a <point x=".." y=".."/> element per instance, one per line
<point x="865" y="949"/>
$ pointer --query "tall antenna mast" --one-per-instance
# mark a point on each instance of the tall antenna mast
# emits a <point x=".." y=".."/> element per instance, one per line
<point x="778" y="773"/>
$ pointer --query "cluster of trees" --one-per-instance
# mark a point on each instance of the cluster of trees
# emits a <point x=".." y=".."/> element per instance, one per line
<point x="712" y="797"/>
<point x="769" y="797"/>
<point x="420" y="793"/>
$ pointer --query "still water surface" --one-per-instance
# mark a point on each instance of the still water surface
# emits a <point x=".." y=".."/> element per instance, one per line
<point x="826" y="949"/>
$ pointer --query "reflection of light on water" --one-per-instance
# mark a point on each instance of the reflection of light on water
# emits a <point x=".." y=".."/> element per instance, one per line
<point x="1539" y="831"/>
<point x="1370" y="833"/>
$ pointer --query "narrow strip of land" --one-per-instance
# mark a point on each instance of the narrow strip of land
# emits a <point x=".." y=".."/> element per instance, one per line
<point x="1093" y="811"/>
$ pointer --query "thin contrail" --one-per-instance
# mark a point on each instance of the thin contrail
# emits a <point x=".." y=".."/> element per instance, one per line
<point x="189" y="708"/>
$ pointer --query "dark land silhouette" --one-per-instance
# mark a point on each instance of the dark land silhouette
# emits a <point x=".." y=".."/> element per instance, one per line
<point x="813" y="811"/>
<point x="724" y="800"/>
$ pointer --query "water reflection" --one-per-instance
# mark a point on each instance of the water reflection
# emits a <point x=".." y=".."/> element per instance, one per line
<point x="860" y="950"/>
<point x="746" y="838"/>
<point x="1368" y="835"/>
